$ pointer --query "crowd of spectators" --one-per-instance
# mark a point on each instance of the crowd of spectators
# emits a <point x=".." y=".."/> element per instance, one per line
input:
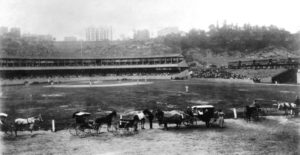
<point x="70" y="77"/>
<point x="258" y="73"/>
<point x="216" y="73"/>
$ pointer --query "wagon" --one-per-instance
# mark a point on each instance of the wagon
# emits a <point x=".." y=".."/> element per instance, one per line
<point x="200" y="112"/>
<point x="5" y="126"/>
<point x="79" y="129"/>
<point x="128" y="124"/>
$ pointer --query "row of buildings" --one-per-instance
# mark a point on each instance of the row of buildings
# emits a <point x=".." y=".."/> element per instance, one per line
<point x="99" y="34"/>
<point x="14" y="31"/>
<point x="91" y="34"/>
<point x="106" y="33"/>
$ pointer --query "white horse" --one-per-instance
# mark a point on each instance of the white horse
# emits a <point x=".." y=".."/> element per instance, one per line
<point x="141" y="116"/>
<point x="289" y="108"/>
<point x="20" y="123"/>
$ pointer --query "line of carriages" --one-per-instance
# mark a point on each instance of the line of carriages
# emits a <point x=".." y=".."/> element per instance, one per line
<point x="129" y="122"/>
<point x="119" y="124"/>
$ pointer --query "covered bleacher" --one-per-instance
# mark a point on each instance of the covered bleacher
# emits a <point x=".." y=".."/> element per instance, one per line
<point x="13" y="67"/>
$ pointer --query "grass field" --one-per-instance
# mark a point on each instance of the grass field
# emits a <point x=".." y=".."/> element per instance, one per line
<point x="59" y="103"/>
<point x="272" y="135"/>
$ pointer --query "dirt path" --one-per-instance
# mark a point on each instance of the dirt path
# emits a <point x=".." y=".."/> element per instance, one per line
<point x="275" y="135"/>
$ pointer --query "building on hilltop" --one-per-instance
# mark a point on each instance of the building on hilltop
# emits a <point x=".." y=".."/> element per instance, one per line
<point x="3" y="30"/>
<point x="38" y="37"/>
<point x="141" y="35"/>
<point x="15" y="32"/>
<point x="99" y="34"/>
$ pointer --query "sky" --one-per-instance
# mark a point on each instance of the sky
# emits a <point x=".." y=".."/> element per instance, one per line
<point x="71" y="17"/>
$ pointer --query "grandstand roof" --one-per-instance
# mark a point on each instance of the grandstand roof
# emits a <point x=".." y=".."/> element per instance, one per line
<point x="93" y="67"/>
<point x="125" y="57"/>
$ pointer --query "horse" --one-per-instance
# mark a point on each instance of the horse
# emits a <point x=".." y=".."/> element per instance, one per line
<point x="207" y="116"/>
<point x="105" y="120"/>
<point x="20" y="123"/>
<point x="141" y="115"/>
<point x="291" y="107"/>
<point x="165" y="117"/>
<point x="251" y="112"/>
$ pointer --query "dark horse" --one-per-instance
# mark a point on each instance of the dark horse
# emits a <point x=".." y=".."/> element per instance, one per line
<point x="20" y="123"/>
<point x="251" y="112"/>
<point x="105" y="120"/>
<point x="150" y="117"/>
<point x="206" y="116"/>
<point x="165" y="117"/>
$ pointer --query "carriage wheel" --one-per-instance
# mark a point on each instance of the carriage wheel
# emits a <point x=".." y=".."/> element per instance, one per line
<point x="72" y="129"/>
<point x="82" y="132"/>
<point x="93" y="132"/>
<point x="186" y="122"/>
<point x="8" y="130"/>
<point x="117" y="132"/>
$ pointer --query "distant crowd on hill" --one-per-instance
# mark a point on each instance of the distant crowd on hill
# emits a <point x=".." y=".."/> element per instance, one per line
<point x="259" y="73"/>
<point x="217" y="73"/>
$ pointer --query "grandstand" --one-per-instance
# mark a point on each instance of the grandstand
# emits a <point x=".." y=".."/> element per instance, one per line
<point x="289" y="63"/>
<point x="16" y="67"/>
<point x="282" y="70"/>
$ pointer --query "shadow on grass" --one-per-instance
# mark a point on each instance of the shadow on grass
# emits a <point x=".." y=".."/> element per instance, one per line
<point x="200" y="127"/>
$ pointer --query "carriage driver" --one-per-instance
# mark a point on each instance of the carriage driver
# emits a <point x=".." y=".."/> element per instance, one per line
<point x="189" y="111"/>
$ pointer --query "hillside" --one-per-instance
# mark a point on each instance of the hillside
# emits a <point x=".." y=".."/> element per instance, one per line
<point x="218" y="45"/>
<point x="111" y="49"/>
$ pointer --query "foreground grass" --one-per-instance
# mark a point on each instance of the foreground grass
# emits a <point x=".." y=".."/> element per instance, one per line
<point x="274" y="135"/>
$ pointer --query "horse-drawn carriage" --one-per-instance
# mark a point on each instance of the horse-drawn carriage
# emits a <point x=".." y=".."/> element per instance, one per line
<point x="208" y="114"/>
<point x="129" y="122"/>
<point x="126" y="124"/>
<point x="84" y="126"/>
<point x="261" y="107"/>
<point x="5" y="127"/>
<point x="205" y="113"/>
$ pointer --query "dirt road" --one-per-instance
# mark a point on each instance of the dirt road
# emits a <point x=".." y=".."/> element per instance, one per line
<point x="274" y="135"/>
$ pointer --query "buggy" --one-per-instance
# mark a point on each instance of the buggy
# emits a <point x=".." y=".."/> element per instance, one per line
<point x="203" y="113"/>
<point x="128" y="124"/>
<point x="5" y="127"/>
<point x="82" y="127"/>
